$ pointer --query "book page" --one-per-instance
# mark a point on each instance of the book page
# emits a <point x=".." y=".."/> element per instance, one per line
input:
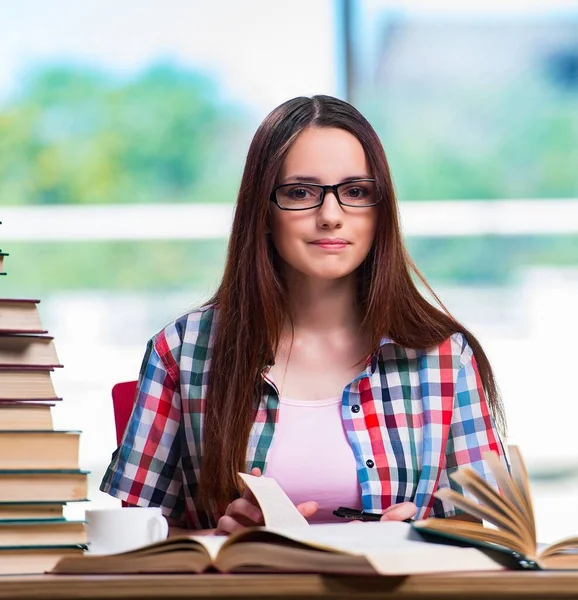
<point x="211" y="543"/>
<point x="431" y="559"/>
<point x="520" y="477"/>
<point x="472" y="533"/>
<point x="480" y="511"/>
<point x="392" y="548"/>
<point x="510" y="490"/>
<point x="570" y="543"/>
<point x="353" y="537"/>
<point x="277" y="508"/>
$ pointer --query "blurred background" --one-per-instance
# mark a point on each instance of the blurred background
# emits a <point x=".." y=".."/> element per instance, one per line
<point x="124" y="127"/>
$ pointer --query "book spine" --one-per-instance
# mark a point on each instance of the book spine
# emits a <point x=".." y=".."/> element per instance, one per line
<point x="525" y="563"/>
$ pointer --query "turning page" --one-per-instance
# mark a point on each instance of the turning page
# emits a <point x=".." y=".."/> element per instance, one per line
<point x="277" y="508"/>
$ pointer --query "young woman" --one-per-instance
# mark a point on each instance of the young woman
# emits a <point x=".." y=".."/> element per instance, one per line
<point x="317" y="362"/>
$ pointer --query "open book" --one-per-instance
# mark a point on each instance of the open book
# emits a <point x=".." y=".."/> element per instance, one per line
<point x="377" y="548"/>
<point x="511" y="513"/>
<point x="289" y="544"/>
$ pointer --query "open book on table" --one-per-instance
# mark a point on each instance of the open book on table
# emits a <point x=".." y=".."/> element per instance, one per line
<point x="374" y="548"/>
<point x="289" y="544"/>
<point x="511" y="513"/>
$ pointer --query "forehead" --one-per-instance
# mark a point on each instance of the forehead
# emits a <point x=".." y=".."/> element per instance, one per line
<point x="326" y="153"/>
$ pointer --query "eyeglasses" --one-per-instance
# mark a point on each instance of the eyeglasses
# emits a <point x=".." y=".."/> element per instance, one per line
<point x="357" y="193"/>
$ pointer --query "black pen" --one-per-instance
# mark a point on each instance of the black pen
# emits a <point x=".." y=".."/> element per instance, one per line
<point x="359" y="515"/>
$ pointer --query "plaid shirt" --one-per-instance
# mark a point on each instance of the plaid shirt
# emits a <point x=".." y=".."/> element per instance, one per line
<point x="412" y="417"/>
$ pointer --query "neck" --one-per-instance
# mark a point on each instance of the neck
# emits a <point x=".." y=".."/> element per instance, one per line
<point x="318" y="305"/>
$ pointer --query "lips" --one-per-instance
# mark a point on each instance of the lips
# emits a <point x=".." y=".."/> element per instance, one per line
<point x="331" y="243"/>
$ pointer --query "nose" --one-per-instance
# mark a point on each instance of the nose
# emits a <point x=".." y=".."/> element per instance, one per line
<point x="330" y="213"/>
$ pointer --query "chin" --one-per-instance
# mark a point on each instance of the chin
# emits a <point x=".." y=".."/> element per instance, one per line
<point x="330" y="274"/>
<point x="327" y="270"/>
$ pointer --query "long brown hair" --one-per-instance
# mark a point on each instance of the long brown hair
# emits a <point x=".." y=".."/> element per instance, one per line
<point x="252" y="303"/>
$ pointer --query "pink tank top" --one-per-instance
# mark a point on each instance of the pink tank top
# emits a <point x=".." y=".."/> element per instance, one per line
<point x="311" y="459"/>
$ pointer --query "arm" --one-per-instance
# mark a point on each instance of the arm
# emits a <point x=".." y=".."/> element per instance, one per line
<point x="146" y="469"/>
<point x="472" y="432"/>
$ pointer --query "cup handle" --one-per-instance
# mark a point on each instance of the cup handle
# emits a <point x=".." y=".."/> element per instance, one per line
<point x="158" y="529"/>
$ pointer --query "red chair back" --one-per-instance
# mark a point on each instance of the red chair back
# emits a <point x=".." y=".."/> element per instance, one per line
<point x="122" y="401"/>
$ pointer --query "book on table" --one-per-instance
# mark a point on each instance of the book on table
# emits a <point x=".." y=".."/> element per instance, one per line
<point x="29" y="415"/>
<point x="376" y="548"/>
<point x="27" y="385"/>
<point x="28" y="533"/>
<point x="28" y="351"/>
<point x="35" y="486"/>
<point x="39" y="449"/>
<point x="39" y="467"/>
<point x="511" y="513"/>
<point x="289" y="544"/>
<point x="20" y="315"/>
<point x="19" y="511"/>
<point x="31" y="561"/>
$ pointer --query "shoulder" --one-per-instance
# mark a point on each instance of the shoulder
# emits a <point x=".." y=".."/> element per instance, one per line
<point x="454" y="352"/>
<point x="189" y="335"/>
<point x="457" y="347"/>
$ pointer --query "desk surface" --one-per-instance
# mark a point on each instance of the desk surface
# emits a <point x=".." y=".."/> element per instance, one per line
<point x="497" y="586"/>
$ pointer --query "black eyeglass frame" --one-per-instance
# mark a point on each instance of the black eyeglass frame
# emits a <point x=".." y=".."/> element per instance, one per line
<point x="324" y="190"/>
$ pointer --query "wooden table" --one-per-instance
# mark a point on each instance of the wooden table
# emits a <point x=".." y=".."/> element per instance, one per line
<point x="477" y="586"/>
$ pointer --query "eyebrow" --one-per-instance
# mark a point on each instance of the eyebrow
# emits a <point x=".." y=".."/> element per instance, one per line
<point x="311" y="179"/>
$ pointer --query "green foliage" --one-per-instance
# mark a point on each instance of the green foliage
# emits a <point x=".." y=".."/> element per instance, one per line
<point x="474" y="141"/>
<point x="79" y="136"/>
<point x="35" y="269"/>
<point x="76" y="136"/>
<point x="197" y="265"/>
<point x="489" y="259"/>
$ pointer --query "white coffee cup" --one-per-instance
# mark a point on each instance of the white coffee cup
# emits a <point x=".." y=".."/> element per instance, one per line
<point x="115" y="530"/>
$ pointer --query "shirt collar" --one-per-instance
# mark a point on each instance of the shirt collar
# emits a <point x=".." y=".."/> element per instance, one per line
<point x="372" y="360"/>
<point x="385" y="340"/>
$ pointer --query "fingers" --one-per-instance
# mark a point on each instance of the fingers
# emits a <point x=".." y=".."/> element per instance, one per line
<point x="240" y="513"/>
<point x="245" y="511"/>
<point x="399" y="512"/>
<point x="308" y="509"/>
<point x="228" y="525"/>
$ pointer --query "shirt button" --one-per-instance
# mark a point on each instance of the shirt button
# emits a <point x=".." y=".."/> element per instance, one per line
<point x="355" y="408"/>
<point x="370" y="463"/>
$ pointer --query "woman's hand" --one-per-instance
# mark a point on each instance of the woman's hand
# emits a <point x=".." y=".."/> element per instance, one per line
<point x="245" y="512"/>
<point x="399" y="512"/>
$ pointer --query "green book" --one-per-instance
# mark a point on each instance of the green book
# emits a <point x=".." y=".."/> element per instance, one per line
<point x="42" y="486"/>
<point x="35" y="533"/>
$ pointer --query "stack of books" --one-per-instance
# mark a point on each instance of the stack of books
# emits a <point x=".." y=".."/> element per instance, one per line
<point x="39" y="468"/>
